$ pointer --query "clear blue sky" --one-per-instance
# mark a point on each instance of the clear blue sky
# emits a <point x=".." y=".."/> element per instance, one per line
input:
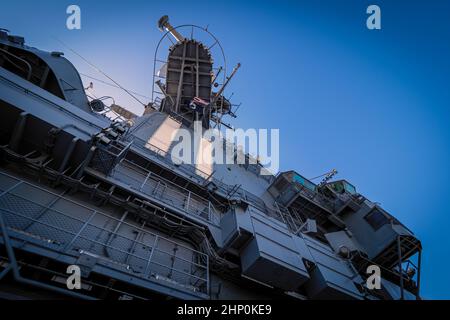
<point x="373" y="104"/>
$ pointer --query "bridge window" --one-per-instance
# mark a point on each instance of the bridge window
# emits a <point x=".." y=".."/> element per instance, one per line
<point x="343" y="186"/>
<point x="349" y="188"/>
<point x="304" y="182"/>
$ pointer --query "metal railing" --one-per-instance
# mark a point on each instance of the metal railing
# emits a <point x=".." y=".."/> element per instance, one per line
<point x="190" y="169"/>
<point x="166" y="158"/>
<point x="151" y="184"/>
<point x="69" y="227"/>
<point x="202" y="177"/>
<point x="30" y="69"/>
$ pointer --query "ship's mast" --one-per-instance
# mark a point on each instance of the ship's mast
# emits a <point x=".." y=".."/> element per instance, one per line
<point x="185" y="81"/>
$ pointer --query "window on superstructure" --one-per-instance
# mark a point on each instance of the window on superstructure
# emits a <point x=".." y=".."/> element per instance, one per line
<point x="376" y="219"/>
<point x="349" y="188"/>
<point x="304" y="182"/>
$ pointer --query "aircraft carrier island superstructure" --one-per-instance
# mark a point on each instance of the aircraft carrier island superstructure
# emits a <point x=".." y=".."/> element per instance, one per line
<point x="81" y="187"/>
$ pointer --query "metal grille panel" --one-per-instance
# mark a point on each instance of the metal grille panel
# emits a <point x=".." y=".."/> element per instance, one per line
<point x="68" y="226"/>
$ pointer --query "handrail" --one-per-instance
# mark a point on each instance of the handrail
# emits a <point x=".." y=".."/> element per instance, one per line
<point x="73" y="235"/>
<point x="90" y="209"/>
<point x="190" y="197"/>
<point x="22" y="60"/>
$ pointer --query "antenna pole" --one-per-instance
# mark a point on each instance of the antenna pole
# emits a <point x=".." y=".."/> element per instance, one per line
<point x="219" y="93"/>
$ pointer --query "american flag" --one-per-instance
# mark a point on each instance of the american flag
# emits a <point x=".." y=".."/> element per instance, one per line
<point x="200" y="102"/>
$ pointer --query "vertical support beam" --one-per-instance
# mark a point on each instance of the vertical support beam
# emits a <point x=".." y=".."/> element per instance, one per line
<point x="44" y="77"/>
<point x="155" y="243"/>
<point x="209" y="210"/>
<point x="419" y="266"/>
<point x="188" y="200"/>
<point x="156" y="187"/>
<point x="45" y="208"/>
<point x="281" y="215"/>
<point x="5" y="271"/>
<point x="113" y="234"/>
<point x="134" y="244"/>
<point x="86" y="162"/>
<point x="180" y="84"/>
<point x="17" y="133"/>
<point x="400" y="269"/>
<point x="67" y="247"/>
<point x="145" y="181"/>
<point x="116" y="229"/>
<point x="9" y="249"/>
<point x="197" y="71"/>
<point x="69" y="152"/>
<point x="207" y="276"/>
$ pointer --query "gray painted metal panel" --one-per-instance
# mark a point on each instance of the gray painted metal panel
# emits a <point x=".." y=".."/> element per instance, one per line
<point x="42" y="104"/>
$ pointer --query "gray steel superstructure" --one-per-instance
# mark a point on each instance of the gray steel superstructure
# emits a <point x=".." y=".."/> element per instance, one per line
<point x="80" y="188"/>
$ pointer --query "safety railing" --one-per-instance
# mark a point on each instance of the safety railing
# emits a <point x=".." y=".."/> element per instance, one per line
<point x="29" y="68"/>
<point x="187" y="168"/>
<point x="70" y="227"/>
<point x="151" y="184"/>
<point x="167" y="158"/>
<point x="195" y="172"/>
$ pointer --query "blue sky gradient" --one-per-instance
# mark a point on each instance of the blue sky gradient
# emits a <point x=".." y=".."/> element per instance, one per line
<point x="375" y="105"/>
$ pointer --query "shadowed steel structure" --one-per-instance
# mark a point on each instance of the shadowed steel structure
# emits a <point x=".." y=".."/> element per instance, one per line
<point x="82" y="185"/>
